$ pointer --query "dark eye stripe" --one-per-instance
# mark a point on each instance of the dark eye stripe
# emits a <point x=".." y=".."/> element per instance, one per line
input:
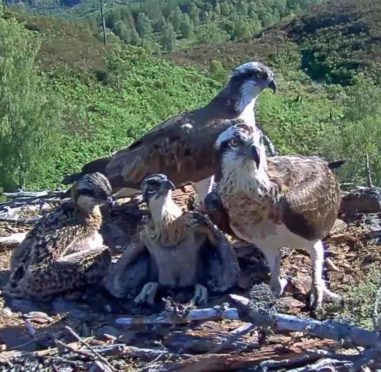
<point x="87" y="192"/>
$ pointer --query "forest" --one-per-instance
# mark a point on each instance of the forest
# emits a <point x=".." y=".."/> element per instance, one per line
<point x="164" y="26"/>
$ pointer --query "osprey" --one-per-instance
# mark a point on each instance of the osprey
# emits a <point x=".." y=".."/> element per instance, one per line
<point x="283" y="201"/>
<point x="182" y="147"/>
<point x="173" y="249"/>
<point x="64" y="252"/>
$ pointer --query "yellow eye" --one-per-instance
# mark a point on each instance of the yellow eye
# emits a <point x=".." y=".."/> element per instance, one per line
<point x="233" y="142"/>
<point x="260" y="75"/>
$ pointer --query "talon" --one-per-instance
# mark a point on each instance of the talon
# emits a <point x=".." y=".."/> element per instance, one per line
<point x="318" y="293"/>
<point x="201" y="295"/>
<point x="147" y="294"/>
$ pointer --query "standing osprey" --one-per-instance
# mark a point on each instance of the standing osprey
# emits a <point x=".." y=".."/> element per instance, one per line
<point x="173" y="249"/>
<point x="283" y="201"/>
<point x="182" y="147"/>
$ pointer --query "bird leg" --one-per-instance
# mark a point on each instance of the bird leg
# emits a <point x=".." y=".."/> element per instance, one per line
<point x="147" y="294"/>
<point x="203" y="188"/>
<point x="273" y="257"/>
<point x="200" y="295"/>
<point x="319" y="289"/>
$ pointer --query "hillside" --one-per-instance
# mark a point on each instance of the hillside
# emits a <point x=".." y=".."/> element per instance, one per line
<point x="168" y="25"/>
<point x="331" y="42"/>
<point x="107" y="96"/>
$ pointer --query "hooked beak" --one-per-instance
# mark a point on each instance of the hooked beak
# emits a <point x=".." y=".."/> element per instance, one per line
<point x="255" y="155"/>
<point x="272" y="85"/>
<point x="167" y="185"/>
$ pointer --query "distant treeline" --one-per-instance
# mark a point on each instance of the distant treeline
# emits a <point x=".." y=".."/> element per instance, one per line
<point x="164" y="25"/>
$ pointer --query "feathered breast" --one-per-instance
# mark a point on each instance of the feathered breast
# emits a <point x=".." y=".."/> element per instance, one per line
<point x="168" y="232"/>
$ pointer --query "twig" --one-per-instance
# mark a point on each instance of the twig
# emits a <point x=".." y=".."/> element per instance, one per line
<point x="16" y="238"/>
<point x="73" y="349"/>
<point x="328" y="329"/>
<point x="280" y="322"/>
<point x="84" y="343"/>
<point x="168" y="318"/>
<point x="136" y="352"/>
<point x="236" y="334"/>
<point x="331" y="265"/>
<point x="353" y="361"/>
<point x="24" y="221"/>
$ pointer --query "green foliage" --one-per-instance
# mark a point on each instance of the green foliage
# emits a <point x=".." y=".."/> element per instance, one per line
<point x="340" y="38"/>
<point x="357" y="132"/>
<point x="168" y="40"/>
<point x="114" y="95"/>
<point x="360" y="299"/>
<point x="98" y="119"/>
<point x="199" y="21"/>
<point x="28" y="115"/>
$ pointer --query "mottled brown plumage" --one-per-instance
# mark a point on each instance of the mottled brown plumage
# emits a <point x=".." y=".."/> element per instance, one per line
<point x="281" y="201"/>
<point x="173" y="249"/>
<point x="182" y="147"/>
<point x="64" y="252"/>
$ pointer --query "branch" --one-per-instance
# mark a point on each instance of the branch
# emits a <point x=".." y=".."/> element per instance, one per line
<point x="328" y="329"/>
<point x="23" y="221"/>
<point x="16" y="238"/>
<point x="84" y="343"/>
<point x="169" y="318"/>
<point x="279" y="322"/>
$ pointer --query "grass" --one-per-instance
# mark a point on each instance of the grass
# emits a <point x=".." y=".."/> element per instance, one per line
<point x="360" y="299"/>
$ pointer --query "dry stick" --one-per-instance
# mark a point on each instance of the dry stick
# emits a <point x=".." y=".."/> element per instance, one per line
<point x="236" y="334"/>
<point x="73" y="349"/>
<point x="356" y="361"/>
<point x="328" y="329"/>
<point x="26" y="221"/>
<point x="280" y="322"/>
<point x="84" y="343"/>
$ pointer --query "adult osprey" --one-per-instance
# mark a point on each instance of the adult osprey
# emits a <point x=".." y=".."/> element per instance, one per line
<point x="283" y="201"/>
<point x="182" y="147"/>
<point x="173" y="249"/>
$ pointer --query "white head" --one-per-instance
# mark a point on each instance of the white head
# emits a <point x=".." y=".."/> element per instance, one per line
<point x="157" y="193"/>
<point x="245" y="84"/>
<point x="250" y="79"/>
<point x="242" y="151"/>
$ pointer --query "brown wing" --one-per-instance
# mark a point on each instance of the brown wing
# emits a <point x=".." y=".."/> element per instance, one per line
<point x="220" y="268"/>
<point x="183" y="149"/>
<point x="98" y="165"/>
<point x="217" y="213"/>
<point x="311" y="194"/>
<point x="51" y="234"/>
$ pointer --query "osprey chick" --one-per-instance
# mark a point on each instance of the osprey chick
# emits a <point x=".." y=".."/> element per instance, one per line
<point x="283" y="201"/>
<point x="173" y="249"/>
<point x="64" y="252"/>
<point x="182" y="147"/>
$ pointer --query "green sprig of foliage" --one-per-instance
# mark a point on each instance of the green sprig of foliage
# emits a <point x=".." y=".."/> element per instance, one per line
<point x="29" y="116"/>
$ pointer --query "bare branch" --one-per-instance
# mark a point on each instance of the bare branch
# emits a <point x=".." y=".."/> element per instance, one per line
<point x="84" y="343"/>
